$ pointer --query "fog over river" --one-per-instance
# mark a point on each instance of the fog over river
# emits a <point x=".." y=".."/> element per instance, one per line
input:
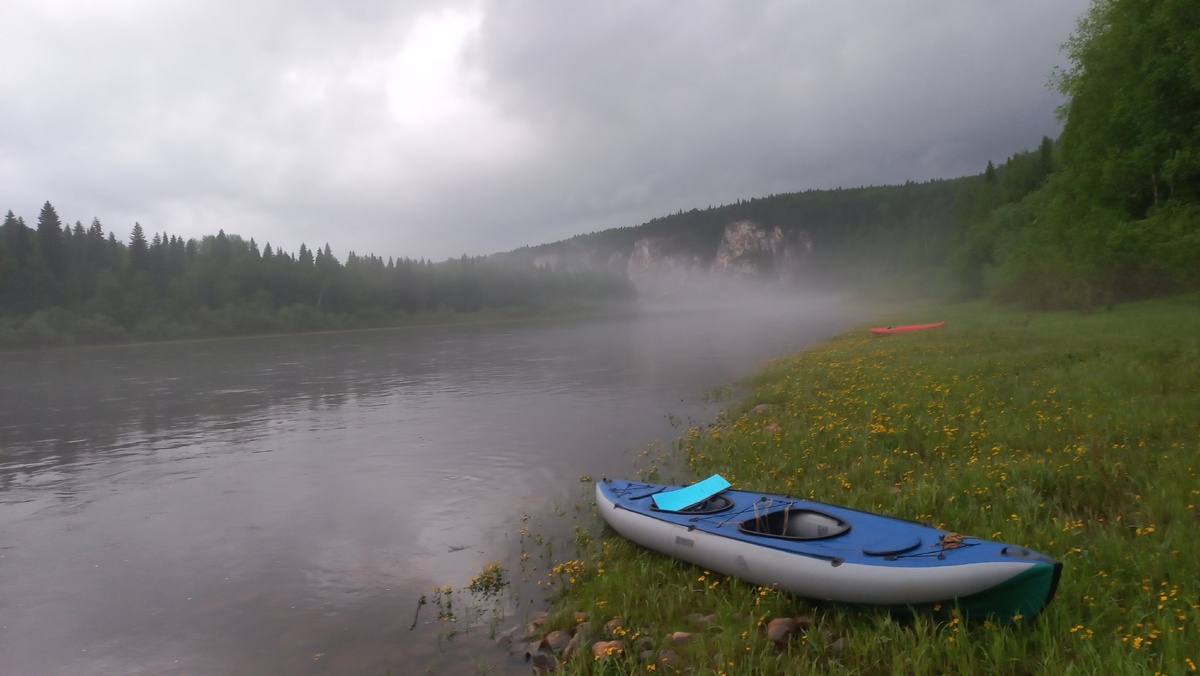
<point x="277" y="505"/>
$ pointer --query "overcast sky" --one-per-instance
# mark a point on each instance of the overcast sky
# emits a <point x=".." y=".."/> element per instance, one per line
<point x="429" y="129"/>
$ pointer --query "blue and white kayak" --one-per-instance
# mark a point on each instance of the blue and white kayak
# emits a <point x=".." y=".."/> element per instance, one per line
<point x="829" y="553"/>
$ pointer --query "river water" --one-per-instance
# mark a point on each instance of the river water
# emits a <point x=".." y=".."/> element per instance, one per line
<point x="277" y="505"/>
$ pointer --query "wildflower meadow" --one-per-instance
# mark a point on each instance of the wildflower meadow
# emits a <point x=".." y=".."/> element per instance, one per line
<point x="1074" y="434"/>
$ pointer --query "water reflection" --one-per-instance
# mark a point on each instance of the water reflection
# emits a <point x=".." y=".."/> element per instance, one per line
<point x="278" y="504"/>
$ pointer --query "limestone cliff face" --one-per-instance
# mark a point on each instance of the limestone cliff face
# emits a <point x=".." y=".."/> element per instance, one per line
<point x="650" y="258"/>
<point x="750" y="251"/>
<point x="747" y="252"/>
<point x="656" y="270"/>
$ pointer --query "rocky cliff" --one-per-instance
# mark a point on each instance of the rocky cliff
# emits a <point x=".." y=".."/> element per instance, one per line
<point x="747" y="253"/>
<point x="750" y="251"/>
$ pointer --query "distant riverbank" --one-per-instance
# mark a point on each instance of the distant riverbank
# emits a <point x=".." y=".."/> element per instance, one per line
<point x="61" y="328"/>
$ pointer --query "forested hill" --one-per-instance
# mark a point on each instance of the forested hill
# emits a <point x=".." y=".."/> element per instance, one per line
<point x="859" y="236"/>
<point x="74" y="285"/>
<point x="854" y="232"/>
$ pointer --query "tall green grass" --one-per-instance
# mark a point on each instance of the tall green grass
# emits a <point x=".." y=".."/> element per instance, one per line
<point x="1075" y="434"/>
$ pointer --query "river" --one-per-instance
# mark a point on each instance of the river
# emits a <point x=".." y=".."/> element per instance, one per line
<point x="278" y="505"/>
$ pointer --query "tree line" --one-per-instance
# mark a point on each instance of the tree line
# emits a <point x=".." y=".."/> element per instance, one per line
<point x="62" y="284"/>
<point x="1119" y="216"/>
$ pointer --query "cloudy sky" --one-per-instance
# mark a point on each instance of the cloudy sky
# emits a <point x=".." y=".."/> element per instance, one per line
<point x="430" y="129"/>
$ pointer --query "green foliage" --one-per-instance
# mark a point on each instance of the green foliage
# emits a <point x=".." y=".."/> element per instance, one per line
<point x="162" y="287"/>
<point x="985" y="214"/>
<point x="1134" y="88"/>
<point x="139" y="250"/>
<point x="50" y="244"/>
<point x="1051" y="251"/>
<point x="490" y="582"/>
<point x="1118" y="220"/>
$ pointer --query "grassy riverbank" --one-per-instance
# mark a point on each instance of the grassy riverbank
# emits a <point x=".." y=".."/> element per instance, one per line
<point x="1075" y="434"/>
<point x="62" y="336"/>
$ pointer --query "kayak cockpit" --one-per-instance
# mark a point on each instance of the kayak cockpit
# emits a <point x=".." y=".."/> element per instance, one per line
<point x="795" y="524"/>
<point x="714" y="505"/>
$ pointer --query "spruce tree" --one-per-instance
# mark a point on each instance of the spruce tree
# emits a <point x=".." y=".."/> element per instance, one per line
<point x="139" y="250"/>
<point x="16" y="239"/>
<point x="50" y="241"/>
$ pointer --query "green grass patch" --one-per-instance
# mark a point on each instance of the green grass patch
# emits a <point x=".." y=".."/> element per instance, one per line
<point x="1074" y="434"/>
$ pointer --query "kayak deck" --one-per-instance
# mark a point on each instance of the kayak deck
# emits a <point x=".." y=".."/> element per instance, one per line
<point x="833" y="553"/>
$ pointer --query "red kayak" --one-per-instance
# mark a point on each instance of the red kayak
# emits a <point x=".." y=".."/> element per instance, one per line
<point x="909" y="327"/>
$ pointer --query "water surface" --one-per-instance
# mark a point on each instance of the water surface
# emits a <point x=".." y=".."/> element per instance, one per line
<point x="277" y="505"/>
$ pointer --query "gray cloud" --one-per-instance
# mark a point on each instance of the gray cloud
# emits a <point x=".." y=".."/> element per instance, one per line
<point x="347" y="123"/>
